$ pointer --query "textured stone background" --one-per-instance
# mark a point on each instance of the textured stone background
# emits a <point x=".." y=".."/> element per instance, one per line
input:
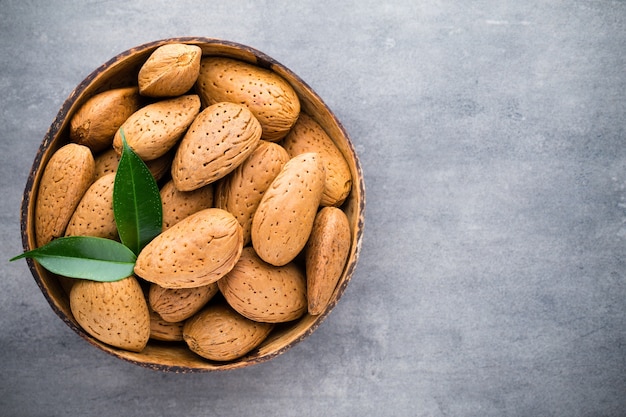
<point x="492" y="279"/>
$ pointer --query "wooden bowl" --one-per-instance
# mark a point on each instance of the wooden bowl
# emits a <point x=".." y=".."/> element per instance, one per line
<point x="122" y="71"/>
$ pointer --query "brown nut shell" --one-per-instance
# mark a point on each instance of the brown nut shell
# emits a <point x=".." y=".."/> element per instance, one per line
<point x="219" y="333"/>
<point x="308" y="136"/>
<point x="164" y="330"/>
<point x="171" y="70"/>
<point x="282" y="223"/>
<point x="196" y="251"/>
<point x="66" y="177"/>
<point x="115" y="313"/>
<point x="219" y="139"/>
<point x="96" y="121"/>
<point x="240" y="192"/>
<point x="154" y="129"/>
<point x="174" y="305"/>
<point x="269" y="97"/>
<point x="94" y="214"/>
<point x="180" y="204"/>
<point x="107" y="161"/>
<point x="160" y="166"/>
<point x="263" y="292"/>
<point x="325" y="256"/>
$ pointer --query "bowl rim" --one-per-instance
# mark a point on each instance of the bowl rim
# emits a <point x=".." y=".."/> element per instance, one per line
<point x="261" y="59"/>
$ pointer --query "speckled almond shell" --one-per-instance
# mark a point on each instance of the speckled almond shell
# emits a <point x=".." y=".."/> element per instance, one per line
<point x="164" y="330"/>
<point x="240" y="192"/>
<point x="263" y="292"/>
<point x="116" y="313"/>
<point x="325" y="256"/>
<point x="174" y="305"/>
<point x="180" y="204"/>
<point x="269" y="97"/>
<point x="107" y="161"/>
<point x="171" y="70"/>
<point x="96" y="121"/>
<point x="308" y="136"/>
<point x="160" y="166"/>
<point x="221" y="138"/>
<point x="154" y="129"/>
<point x="219" y="333"/>
<point x="94" y="214"/>
<point x="196" y="251"/>
<point x="68" y="174"/>
<point x="282" y="223"/>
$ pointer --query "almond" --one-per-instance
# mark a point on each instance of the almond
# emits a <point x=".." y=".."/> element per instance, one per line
<point x="196" y="251"/>
<point x="219" y="139"/>
<point x="180" y="204"/>
<point x="263" y="292"/>
<point x="160" y="166"/>
<point x="164" y="330"/>
<point x="219" y="333"/>
<point x="107" y="161"/>
<point x="269" y="97"/>
<point x="282" y="223"/>
<point x="96" y="121"/>
<point x="171" y="70"/>
<point x="308" y="136"/>
<point x="115" y="313"/>
<point x="240" y="192"/>
<point x="66" y="177"/>
<point x="154" y="129"/>
<point x="325" y="257"/>
<point x="179" y="304"/>
<point x="94" y="214"/>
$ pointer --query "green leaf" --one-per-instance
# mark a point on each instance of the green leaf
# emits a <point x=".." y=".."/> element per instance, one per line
<point x="136" y="201"/>
<point x="85" y="257"/>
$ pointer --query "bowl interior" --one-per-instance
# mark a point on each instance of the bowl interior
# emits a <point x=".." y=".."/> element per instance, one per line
<point x="122" y="71"/>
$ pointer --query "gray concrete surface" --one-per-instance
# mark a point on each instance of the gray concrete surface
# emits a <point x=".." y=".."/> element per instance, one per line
<point x="492" y="279"/>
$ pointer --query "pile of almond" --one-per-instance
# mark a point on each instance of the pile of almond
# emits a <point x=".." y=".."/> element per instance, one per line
<point x="251" y="187"/>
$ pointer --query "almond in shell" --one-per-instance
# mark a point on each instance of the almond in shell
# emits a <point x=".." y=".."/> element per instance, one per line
<point x="171" y="70"/>
<point x="180" y="204"/>
<point x="164" y="330"/>
<point x="160" y="166"/>
<point x="219" y="333"/>
<point x="325" y="257"/>
<point x="269" y="97"/>
<point x="115" y="313"/>
<point x="308" y="136"/>
<point x="107" y="161"/>
<point x="196" y="251"/>
<point x="65" y="179"/>
<point x="154" y="129"/>
<point x="264" y="292"/>
<point x="96" y="121"/>
<point x="283" y="221"/>
<point x="240" y="192"/>
<point x="174" y="305"/>
<point x="219" y="139"/>
<point x="94" y="214"/>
